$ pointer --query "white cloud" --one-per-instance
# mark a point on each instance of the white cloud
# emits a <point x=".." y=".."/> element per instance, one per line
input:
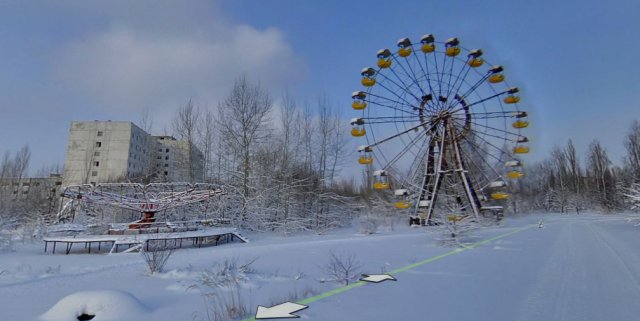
<point x="128" y="69"/>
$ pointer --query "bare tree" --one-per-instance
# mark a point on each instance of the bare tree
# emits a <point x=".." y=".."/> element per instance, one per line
<point x="185" y="126"/>
<point x="632" y="144"/>
<point x="560" y="163"/>
<point x="146" y="120"/>
<point x="599" y="166"/>
<point x="343" y="268"/>
<point x="243" y="118"/>
<point x="289" y="120"/>
<point x="574" y="166"/>
<point x="21" y="162"/>
<point x="6" y="165"/>
<point x="208" y="140"/>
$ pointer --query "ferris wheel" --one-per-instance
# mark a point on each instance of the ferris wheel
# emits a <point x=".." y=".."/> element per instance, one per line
<point x="441" y="128"/>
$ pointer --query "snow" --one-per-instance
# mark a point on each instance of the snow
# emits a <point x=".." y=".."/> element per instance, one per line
<point x="577" y="267"/>
<point x="104" y="305"/>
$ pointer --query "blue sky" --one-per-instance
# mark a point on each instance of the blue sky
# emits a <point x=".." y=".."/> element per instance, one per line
<point x="576" y="62"/>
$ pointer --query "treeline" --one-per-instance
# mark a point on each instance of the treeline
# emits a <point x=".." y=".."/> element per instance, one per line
<point x="280" y="164"/>
<point x="566" y="181"/>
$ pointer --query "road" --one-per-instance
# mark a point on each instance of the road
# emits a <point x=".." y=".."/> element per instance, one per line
<point x="583" y="267"/>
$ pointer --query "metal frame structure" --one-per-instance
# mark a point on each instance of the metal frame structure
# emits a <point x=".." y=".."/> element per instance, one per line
<point x="443" y="126"/>
<point x="146" y="199"/>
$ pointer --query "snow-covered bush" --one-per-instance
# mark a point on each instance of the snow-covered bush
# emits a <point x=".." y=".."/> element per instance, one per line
<point x="220" y="287"/>
<point x="632" y="195"/>
<point x="156" y="257"/>
<point x="368" y="224"/>
<point x="227" y="273"/>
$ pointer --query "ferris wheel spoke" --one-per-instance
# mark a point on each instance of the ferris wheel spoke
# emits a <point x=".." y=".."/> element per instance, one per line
<point x="483" y="156"/>
<point x="498" y="149"/>
<point x="392" y="117"/>
<point x="486" y="115"/>
<point x="465" y="68"/>
<point x="468" y="105"/>
<point x="439" y="75"/>
<point x="392" y="107"/>
<point x="404" y="151"/>
<point x="469" y="91"/>
<point x="390" y="122"/>
<point x="404" y="102"/>
<point x="396" y="94"/>
<point x="404" y="85"/>
<point x="493" y="113"/>
<point x="496" y="129"/>
<point x="426" y="73"/>
<point x="483" y="160"/>
<point x="402" y="133"/>
<point x="450" y="74"/>
<point x="414" y="79"/>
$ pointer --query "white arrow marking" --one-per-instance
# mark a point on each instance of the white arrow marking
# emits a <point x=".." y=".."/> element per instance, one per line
<point x="279" y="311"/>
<point x="377" y="278"/>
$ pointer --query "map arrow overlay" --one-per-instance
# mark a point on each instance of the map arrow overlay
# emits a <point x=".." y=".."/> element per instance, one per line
<point x="377" y="278"/>
<point x="280" y="311"/>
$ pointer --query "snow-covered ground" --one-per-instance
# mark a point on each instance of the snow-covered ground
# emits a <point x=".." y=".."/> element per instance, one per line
<point x="584" y="267"/>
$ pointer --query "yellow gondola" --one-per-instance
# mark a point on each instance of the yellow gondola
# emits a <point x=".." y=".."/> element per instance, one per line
<point x="428" y="47"/>
<point x="368" y="82"/>
<point x="402" y="205"/>
<point x="365" y="160"/>
<point x="380" y="185"/>
<point x="452" y="51"/>
<point x="404" y="52"/>
<point x="497" y="78"/>
<point x="499" y="196"/>
<point x="384" y="63"/>
<point x="515" y="174"/>
<point x="521" y="150"/>
<point x="359" y="105"/>
<point x="475" y="62"/>
<point x="358" y="132"/>
<point x="520" y="124"/>
<point x="511" y="99"/>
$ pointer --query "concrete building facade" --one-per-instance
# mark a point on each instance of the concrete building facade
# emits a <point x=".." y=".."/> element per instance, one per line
<point x="40" y="194"/>
<point x="117" y="151"/>
<point x="172" y="162"/>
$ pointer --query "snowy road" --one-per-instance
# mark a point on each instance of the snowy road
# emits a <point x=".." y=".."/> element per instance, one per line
<point x="583" y="267"/>
<point x="575" y="268"/>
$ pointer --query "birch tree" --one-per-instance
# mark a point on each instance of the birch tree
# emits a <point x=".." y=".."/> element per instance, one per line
<point x="185" y="126"/>
<point x="243" y="119"/>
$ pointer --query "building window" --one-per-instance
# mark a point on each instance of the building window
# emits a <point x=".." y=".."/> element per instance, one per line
<point x="167" y="150"/>
<point x="166" y="158"/>
<point x="166" y="173"/>
<point x="159" y="157"/>
<point x="94" y="173"/>
<point x="99" y="133"/>
<point x="160" y="150"/>
<point x="96" y="164"/>
<point x="96" y="153"/>
<point x="166" y="165"/>
<point x="98" y="144"/>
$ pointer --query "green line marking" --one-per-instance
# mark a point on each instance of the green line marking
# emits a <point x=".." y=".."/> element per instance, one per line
<point x="408" y="267"/>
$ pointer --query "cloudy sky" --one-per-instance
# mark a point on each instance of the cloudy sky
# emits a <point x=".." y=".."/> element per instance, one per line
<point x="576" y="62"/>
